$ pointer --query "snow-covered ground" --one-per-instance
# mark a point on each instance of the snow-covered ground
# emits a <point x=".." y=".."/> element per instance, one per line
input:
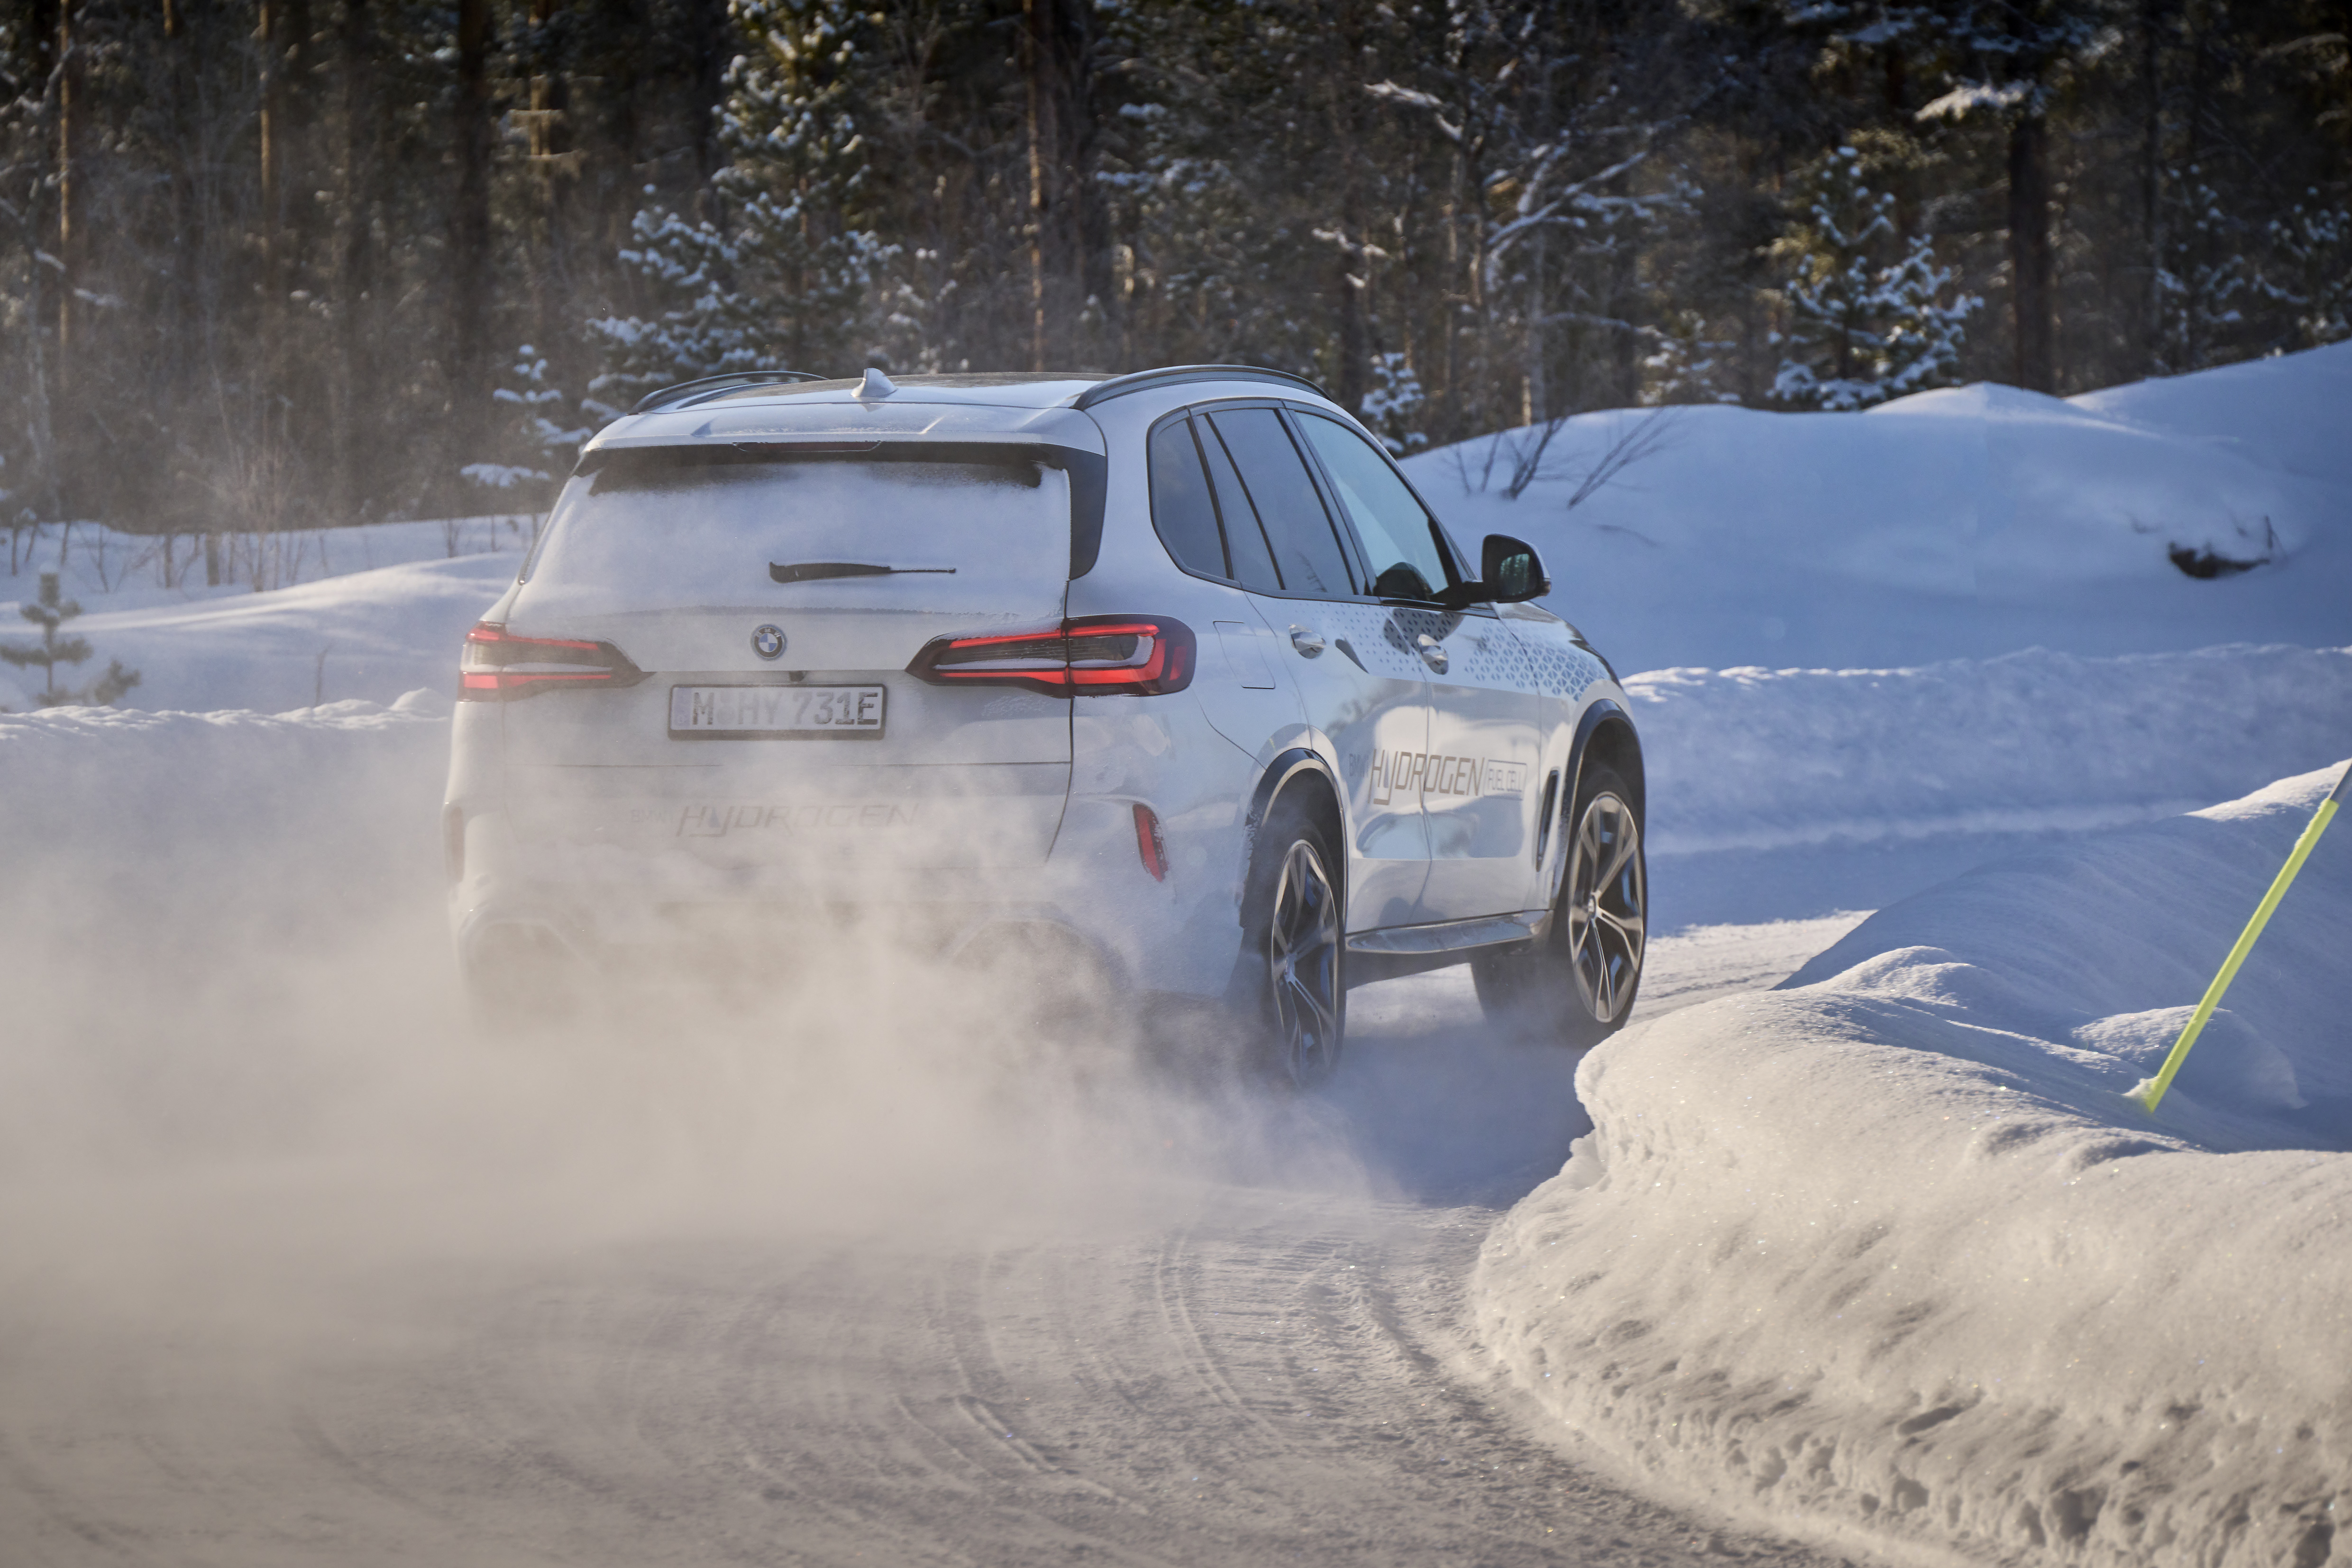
<point x="1886" y="1251"/>
<point x="1757" y="759"/>
<point x="1954" y="524"/>
<point x="368" y="612"/>
<point x="296" y="1269"/>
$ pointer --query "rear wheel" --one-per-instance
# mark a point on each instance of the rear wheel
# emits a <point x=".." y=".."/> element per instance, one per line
<point x="1296" y="937"/>
<point x="1576" y="981"/>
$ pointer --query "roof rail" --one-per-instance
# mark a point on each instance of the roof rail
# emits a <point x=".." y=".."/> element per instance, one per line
<point x="710" y="383"/>
<point x="1144" y="380"/>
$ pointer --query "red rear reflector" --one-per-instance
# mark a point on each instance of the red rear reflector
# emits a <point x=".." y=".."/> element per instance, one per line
<point x="1150" y="843"/>
<point x="496" y="666"/>
<point x="1100" y="656"/>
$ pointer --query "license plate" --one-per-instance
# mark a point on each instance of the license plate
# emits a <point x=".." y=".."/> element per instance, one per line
<point x="728" y="712"/>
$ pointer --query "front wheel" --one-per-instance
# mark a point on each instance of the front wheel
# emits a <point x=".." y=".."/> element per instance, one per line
<point x="1296" y="937"/>
<point x="1576" y="981"/>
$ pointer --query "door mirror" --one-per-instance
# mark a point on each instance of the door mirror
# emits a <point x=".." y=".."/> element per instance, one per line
<point x="1512" y="571"/>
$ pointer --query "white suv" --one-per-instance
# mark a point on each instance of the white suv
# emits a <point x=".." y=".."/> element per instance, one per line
<point x="1174" y="673"/>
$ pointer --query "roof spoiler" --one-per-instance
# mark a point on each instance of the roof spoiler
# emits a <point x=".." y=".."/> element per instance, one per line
<point x="693" y="391"/>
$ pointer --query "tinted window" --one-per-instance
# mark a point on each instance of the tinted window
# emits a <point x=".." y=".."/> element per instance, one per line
<point x="1305" y="551"/>
<point x="1181" y="509"/>
<point x="1244" y="534"/>
<point x="696" y="534"/>
<point x="1400" y="537"/>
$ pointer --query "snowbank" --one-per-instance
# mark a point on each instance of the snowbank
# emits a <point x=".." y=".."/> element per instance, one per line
<point x="368" y="635"/>
<point x="145" y="827"/>
<point x="1887" y="1247"/>
<point x="1757" y="759"/>
<point x="1957" y="523"/>
<point x="107" y="569"/>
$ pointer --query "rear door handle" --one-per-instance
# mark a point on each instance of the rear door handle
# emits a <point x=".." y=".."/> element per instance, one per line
<point x="1433" y="653"/>
<point x="1306" y="641"/>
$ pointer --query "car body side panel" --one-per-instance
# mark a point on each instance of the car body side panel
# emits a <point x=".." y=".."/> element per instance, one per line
<point x="1365" y="696"/>
<point x="1482" y="788"/>
<point x="1367" y="701"/>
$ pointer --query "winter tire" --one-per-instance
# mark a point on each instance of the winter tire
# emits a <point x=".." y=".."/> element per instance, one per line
<point x="1298" y="947"/>
<point x="1576" y="981"/>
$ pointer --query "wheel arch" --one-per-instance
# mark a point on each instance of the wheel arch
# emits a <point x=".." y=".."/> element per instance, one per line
<point x="1296" y="774"/>
<point x="1300" y="775"/>
<point x="1605" y="734"/>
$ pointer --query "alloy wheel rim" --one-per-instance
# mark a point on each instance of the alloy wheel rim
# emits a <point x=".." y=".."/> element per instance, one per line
<point x="1303" y="961"/>
<point x="1607" y="905"/>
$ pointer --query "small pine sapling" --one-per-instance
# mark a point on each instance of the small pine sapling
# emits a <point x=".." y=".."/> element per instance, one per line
<point x="49" y="612"/>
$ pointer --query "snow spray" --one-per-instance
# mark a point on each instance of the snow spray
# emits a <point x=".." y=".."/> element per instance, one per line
<point x="2149" y="1093"/>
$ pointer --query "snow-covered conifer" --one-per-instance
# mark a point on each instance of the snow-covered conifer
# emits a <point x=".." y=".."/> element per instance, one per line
<point x="539" y="439"/>
<point x="1394" y="406"/>
<point x="780" y="277"/>
<point x="1686" y="363"/>
<point x="1869" y="318"/>
<point x="2311" y="269"/>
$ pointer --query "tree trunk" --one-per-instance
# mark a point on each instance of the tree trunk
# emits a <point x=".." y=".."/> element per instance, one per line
<point x="1070" y="240"/>
<point x="2151" y="174"/>
<point x="69" y="192"/>
<point x="1353" y="279"/>
<point x="1038" y="60"/>
<point x="548" y="126"/>
<point x="264" y="35"/>
<point x="469" y="224"/>
<point x="2028" y="254"/>
<point x="355" y="258"/>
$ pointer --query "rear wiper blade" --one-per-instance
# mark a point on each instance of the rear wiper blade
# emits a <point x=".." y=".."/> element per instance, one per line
<point x="812" y="571"/>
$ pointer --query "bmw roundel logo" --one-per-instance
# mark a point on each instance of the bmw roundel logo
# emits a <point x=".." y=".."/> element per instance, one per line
<point x="768" y="642"/>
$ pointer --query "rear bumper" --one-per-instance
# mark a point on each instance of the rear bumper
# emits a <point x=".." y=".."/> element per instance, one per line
<point x="614" y="907"/>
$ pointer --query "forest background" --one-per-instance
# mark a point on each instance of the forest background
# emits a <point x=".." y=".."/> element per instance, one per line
<point x="277" y="264"/>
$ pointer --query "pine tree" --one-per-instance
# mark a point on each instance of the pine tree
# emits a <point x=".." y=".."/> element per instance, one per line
<point x="1687" y="363"/>
<point x="50" y="611"/>
<point x="540" y="441"/>
<point x="1395" y="405"/>
<point x="1868" y="318"/>
<point x="783" y="279"/>
<point x="2311" y="270"/>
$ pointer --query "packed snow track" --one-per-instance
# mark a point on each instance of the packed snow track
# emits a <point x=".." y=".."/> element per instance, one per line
<point x="1175" y="1368"/>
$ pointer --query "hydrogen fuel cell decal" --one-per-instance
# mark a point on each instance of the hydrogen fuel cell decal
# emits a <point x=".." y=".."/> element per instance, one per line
<point x="1405" y="771"/>
<point x="719" y="819"/>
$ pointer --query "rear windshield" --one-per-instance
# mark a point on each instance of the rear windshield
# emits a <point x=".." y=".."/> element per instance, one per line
<point x="661" y="536"/>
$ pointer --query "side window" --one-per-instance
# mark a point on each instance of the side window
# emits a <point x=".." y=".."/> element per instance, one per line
<point x="1305" y="551"/>
<point x="1181" y="509"/>
<point x="1246" y="536"/>
<point x="1400" y="537"/>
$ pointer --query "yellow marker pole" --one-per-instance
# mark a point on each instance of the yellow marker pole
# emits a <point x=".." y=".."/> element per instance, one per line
<point x="2149" y="1093"/>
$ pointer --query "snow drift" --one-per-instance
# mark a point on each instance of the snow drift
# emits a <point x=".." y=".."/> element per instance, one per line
<point x="1959" y="523"/>
<point x="366" y="612"/>
<point x="1887" y="1247"/>
<point x="106" y="802"/>
<point x="1757" y="759"/>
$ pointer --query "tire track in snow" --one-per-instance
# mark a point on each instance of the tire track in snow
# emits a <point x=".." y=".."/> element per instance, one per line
<point x="1214" y="1374"/>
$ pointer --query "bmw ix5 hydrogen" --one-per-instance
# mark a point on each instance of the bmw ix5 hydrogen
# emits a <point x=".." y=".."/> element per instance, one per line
<point x="1174" y="673"/>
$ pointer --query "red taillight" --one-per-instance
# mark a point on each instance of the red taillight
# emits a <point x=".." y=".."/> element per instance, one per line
<point x="1096" y="655"/>
<point x="498" y="666"/>
<point x="1150" y="843"/>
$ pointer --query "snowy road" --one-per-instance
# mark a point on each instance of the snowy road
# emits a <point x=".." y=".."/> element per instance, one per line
<point x="1192" y="1371"/>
